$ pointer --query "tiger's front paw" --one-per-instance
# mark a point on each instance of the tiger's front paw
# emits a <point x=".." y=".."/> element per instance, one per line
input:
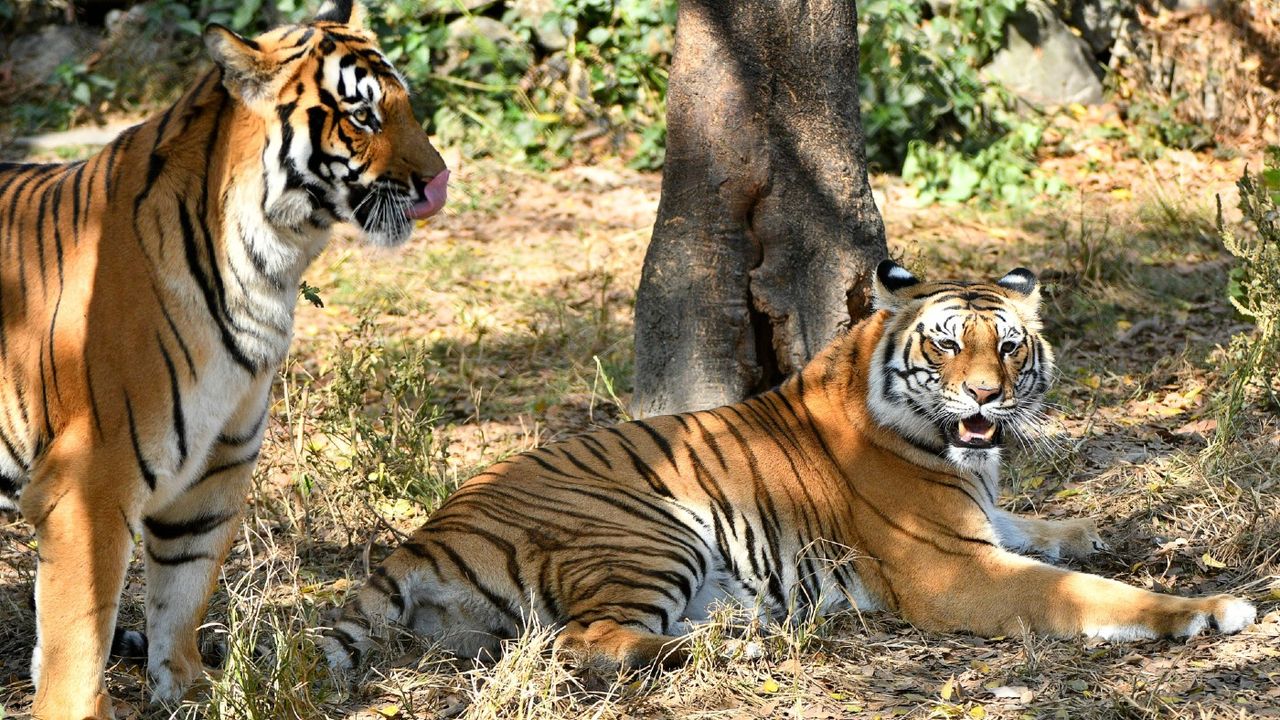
<point x="172" y="677"/>
<point x="1078" y="539"/>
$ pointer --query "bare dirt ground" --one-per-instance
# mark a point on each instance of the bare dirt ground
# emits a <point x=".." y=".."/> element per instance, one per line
<point x="507" y="324"/>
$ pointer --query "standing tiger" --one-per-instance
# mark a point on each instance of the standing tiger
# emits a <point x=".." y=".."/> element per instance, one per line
<point x="868" y="479"/>
<point x="147" y="297"/>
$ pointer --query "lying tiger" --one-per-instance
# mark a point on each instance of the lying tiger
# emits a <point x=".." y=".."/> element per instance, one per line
<point x="869" y="479"/>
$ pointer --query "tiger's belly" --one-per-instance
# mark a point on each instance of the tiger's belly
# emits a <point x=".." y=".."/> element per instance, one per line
<point x="802" y="576"/>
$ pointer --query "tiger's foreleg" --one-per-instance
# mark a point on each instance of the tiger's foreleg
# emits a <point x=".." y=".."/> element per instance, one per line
<point x="80" y="501"/>
<point x="1076" y="538"/>
<point x="186" y="543"/>
<point x="996" y="592"/>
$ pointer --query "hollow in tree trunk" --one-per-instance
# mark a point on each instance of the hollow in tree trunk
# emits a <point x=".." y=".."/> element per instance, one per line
<point x="766" y="232"/>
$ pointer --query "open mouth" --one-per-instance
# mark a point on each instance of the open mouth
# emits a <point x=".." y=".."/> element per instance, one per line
<point x="975" y="431"/>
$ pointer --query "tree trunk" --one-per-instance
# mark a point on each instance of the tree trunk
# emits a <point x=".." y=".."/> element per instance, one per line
<point x="766" y="232"/>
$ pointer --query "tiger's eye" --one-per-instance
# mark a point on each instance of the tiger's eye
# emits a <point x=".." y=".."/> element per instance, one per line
<point x="948" y="344"/>
<point x="1008" y="347"/>
<point x="360" y="115"/>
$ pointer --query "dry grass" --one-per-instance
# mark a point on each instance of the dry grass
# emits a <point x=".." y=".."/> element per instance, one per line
<point x="508" y="324"/>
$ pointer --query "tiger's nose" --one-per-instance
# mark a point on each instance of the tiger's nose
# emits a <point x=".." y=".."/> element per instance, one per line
<point x="982" y="393"/>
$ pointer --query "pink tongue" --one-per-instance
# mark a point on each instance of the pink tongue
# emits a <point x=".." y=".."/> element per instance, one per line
<point x="434" y="195"/>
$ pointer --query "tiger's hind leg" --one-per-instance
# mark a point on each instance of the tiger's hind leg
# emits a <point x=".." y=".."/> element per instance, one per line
<point x="186" y="543"/>
<point x="80" y="502"/>
<point x="620" y="612"/>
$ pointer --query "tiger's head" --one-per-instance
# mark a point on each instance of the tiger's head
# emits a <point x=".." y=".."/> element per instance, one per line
<point x="342" y="143"/>
<point x="959" y="365"/>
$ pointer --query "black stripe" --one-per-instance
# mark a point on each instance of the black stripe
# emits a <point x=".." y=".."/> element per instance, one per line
<point x="210" y="473"/>
<point x="581" y="465"/>
<point x="175" y="393"/>
<point x="76" y="189"/>
<point x="651" y="511"/>
<point x="93" y="401"/>
<point x="950" y="532"/>
<point x="44" y="400"/>
<point x="382" y="581"/>
<point x="658" y="440"/>
<point x="197" y="525"/>
<point x="53" y="322"/>
<point x="182" y="343"/>
<point x="39" y="237"/>
<point x="179" y="559"/>
<point x="597" y="449"/>
<point x="229" y="341"/>
<point x="250" y="436"/>
<point x="499" y="603"/>
<point x="10" y="448"/>
<point x="593" y="615"/>
<point x="148" y="475"/>
<point x="347" y="640"/>
<point x="641" y="467"/>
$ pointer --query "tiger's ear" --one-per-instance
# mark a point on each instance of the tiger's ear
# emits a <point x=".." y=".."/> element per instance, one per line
<point x="348" y="12"/>
<point x="890" y="278"/>
<point x="245" y="70"/>
<point x="1024" y="289"/>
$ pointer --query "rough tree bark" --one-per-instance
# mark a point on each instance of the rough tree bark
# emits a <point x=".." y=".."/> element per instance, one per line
<point x="766" y="230"/>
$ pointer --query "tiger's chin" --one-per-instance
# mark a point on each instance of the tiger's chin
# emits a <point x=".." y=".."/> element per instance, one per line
<point x="387" y="236"/>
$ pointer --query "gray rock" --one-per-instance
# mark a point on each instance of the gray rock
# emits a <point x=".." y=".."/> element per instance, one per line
<point x="1100" y="22"/>
<point x="1043" y="62"/>
<point x="462" y="30"/>
<point x="452" y="7"/>
<point x="549" y="33"/>
<point x="1192" y="5"/>
<point x="37" y="56"/>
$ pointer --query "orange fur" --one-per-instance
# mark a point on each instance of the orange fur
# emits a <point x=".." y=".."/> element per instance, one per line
<point x="806" y="498"/>
<point x="147" y="298"/>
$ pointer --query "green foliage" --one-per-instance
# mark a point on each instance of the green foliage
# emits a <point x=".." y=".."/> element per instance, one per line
<point x="1254" y="289"/>
<point x="310" y="293"/>
<point x="926" y="109"/>
<point x="374" y="422"/>
<point x="589" y="77"/>
<point x="490" y="87"/>
<point x="1003" y="170"/>
<point x="1156" y="126"/>
<point x="919" y="77"/>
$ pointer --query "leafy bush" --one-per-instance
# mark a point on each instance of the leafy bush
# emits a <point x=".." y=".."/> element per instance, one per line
<point x="493" y="86"/>
<point x="1156" y="126"/>
<point x="1254" y="289"/>
<point x="589" y="77"/>
<point x="927" y="110"/>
